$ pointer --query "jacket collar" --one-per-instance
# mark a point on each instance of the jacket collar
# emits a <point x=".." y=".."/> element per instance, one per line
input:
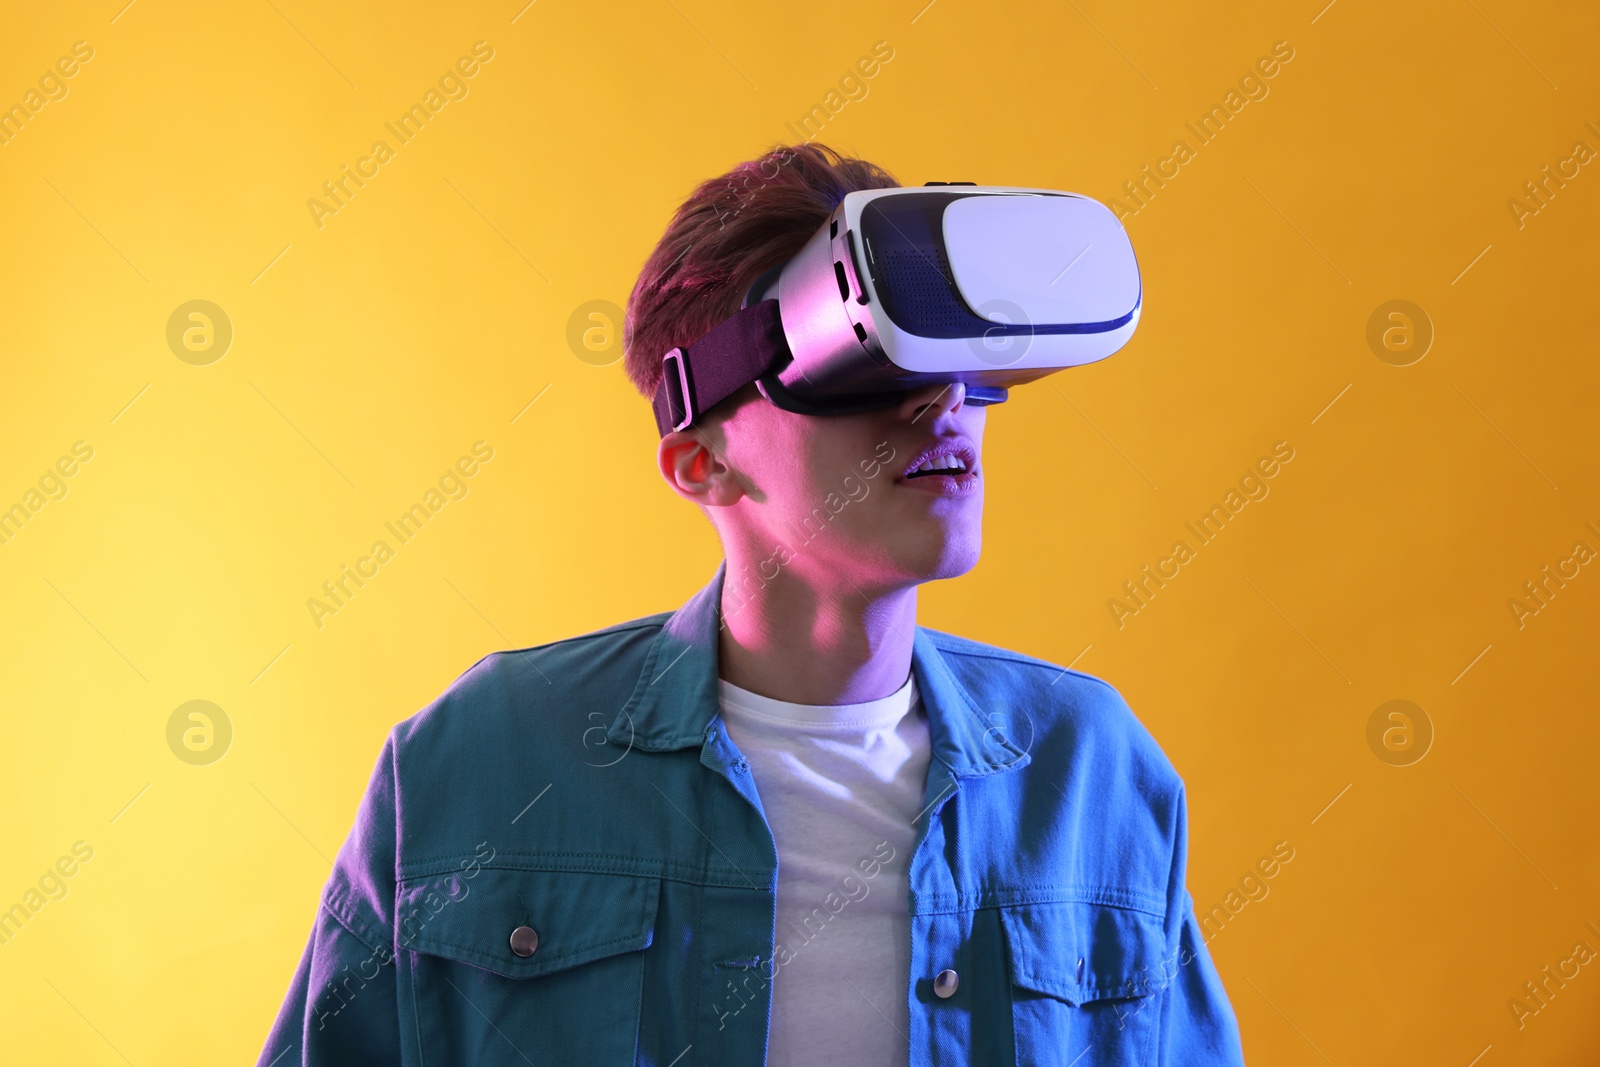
<point x="676" y="698"/>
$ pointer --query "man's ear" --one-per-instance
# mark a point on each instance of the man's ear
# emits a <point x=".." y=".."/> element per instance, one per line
<point x="693" y="466"/>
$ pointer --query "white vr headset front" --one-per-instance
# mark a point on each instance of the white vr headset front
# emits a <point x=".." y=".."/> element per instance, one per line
<point x="991" y="286"/>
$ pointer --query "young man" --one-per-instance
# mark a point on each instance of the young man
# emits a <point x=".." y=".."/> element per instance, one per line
<point x="784" y="824"/>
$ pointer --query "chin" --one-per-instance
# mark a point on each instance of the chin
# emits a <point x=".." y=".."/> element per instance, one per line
<point x="955" y="566"/>
<point x="954" y="556"/>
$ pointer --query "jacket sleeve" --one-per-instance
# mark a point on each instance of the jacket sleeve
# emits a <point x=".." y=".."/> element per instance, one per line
<point x="342" y="1007"/>
<point x="1198" y="1027"/>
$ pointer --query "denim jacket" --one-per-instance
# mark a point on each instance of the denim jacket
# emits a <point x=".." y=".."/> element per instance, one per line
<point x="563" y="860"/>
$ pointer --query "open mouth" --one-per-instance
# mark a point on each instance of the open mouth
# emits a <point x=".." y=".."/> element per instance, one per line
<point x="949" y="466"/>
<point x="952" y="465"/>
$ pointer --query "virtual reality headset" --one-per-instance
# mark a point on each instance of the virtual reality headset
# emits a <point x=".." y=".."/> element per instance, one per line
<point x="990" y="286"/>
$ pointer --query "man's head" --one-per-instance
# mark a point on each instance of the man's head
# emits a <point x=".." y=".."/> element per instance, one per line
<point x="827" y="499"/>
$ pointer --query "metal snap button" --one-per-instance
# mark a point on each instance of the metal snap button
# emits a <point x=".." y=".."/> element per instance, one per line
<point x="524" y="940"/>
<point x="944" y="984"/>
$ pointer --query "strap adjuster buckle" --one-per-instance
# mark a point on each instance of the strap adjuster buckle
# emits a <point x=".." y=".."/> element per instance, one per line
<point x="680" y="397"/>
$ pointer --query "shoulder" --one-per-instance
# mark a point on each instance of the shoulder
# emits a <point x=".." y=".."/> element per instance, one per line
<point x="982" y="662"/>
<point x="1091" y="706"/>
<point x="1068" y="716"/>
<point x="506" y="694"/>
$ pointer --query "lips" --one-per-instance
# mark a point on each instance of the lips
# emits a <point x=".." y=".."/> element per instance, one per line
<point x="945" y="467"/>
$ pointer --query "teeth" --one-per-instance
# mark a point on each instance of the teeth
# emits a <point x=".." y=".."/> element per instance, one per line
<point x="941" y="463"/>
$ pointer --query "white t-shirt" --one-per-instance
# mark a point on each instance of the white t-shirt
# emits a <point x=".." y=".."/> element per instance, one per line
<point x="841" y="786"/>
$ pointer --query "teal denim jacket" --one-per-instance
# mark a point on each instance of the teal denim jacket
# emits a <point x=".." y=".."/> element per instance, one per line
<point x="587" y="790"/>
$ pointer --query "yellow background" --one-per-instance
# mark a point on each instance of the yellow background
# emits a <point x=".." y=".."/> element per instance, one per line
<point x="369" y="353"/>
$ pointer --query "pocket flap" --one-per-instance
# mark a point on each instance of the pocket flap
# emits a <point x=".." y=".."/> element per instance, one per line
<point x="1081" y="952"/>
<point x="577" y="916"/>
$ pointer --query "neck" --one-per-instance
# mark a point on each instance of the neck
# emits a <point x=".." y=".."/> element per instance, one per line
<point x="808" y="642"/>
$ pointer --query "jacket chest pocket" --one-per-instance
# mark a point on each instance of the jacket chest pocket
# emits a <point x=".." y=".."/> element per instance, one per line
<point x="1085" y="983"/>
<point x="513" y="966"/>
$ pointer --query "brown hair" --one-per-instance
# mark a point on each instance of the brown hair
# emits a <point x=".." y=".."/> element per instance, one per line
<point x="723" y="237"/>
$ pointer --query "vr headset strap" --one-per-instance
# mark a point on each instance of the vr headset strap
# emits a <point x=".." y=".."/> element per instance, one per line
<point x="698" y="377"/>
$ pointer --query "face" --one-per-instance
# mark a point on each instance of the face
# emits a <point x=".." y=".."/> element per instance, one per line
<point x="878" y="500"/>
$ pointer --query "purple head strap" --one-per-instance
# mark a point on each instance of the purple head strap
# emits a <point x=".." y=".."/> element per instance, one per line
<point x="698" y="377"/>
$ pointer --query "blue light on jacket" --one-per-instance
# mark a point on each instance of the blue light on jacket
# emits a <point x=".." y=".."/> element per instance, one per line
<point x="588" y="790"/>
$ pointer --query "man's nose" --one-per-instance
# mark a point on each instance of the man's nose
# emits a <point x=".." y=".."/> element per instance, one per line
<point x="927" y="403"/>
